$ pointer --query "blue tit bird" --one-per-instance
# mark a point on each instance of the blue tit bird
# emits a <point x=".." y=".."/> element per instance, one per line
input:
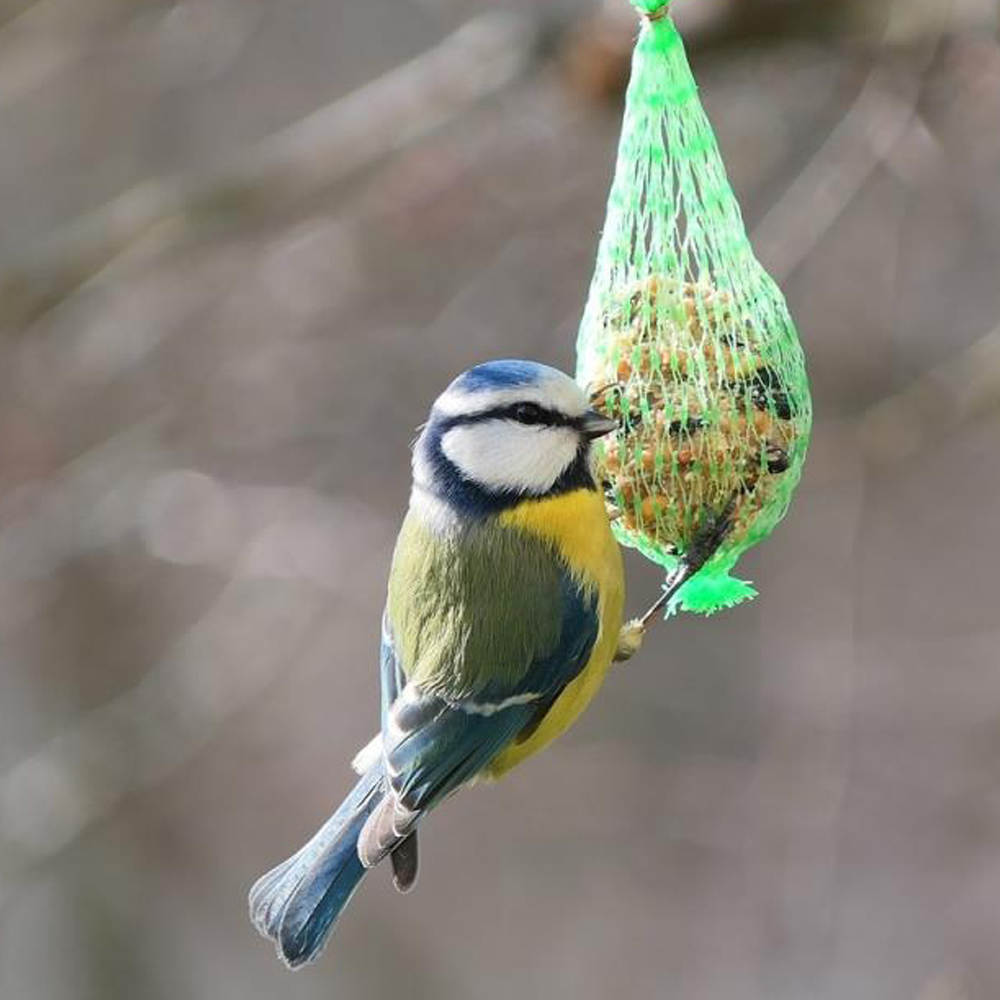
<point x="504" y="613"/>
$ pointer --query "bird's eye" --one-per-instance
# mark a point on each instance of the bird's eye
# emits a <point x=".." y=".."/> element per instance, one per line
<point x="528" y="413"/>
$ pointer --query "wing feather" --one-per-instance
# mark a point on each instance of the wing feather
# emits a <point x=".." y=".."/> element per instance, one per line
<point x="481" y="634"/>
<point x="471" y="613"/>
<point x="438" y="736"/>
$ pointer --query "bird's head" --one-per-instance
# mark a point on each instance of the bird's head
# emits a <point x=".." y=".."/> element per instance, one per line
<point x="502" y="432"/>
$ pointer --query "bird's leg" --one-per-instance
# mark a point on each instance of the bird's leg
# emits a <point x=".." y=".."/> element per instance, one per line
<point x="704" y="545"/>
<point x="633" y="632"/>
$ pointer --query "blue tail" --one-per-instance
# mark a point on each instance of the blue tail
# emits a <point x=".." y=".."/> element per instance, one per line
<point x="297" y="903"/>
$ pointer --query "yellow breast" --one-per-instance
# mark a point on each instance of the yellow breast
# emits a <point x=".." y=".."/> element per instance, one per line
<point x="577" y="525"/>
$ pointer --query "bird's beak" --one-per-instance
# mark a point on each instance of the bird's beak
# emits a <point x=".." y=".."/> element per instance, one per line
<point x="594" y="425"/>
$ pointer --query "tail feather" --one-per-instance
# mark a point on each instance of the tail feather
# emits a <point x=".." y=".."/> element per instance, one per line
<point x="405" y="863"/>
<point x="310" y="913"/>
<point x="390" y="824"/>
<point x="297" y="903"/>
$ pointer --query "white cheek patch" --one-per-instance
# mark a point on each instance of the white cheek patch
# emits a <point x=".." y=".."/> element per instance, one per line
<point x="504" y="455"/>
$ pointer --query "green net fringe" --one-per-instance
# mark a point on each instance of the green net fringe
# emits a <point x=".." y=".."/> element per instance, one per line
<point x="687" y="340"/>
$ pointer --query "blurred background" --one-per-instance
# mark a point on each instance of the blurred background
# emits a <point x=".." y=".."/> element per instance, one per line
<point x="242" y="246"/>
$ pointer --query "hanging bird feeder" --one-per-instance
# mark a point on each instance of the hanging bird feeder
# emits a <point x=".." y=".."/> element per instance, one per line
<point x="688" y="342"/>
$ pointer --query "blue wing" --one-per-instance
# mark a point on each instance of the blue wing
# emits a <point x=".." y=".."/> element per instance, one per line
<point x="432" y="745"/>
<point x="391" y="671"/>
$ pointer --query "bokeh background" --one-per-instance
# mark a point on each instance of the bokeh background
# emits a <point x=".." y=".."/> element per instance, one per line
<point x="242" y="246"/>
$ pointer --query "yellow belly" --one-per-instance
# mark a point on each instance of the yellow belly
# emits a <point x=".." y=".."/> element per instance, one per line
<point x="577" y="524"/>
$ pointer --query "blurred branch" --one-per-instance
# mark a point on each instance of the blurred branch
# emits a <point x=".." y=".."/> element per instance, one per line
<point x="15" y="9"/>
<point x="270" y="612"/>
<point x="866" y="135"/>
<point x="303" y="159"/>
<point x="872" y="127"/>
<point x="52" y="796"/>
<point x="948" y="396"/>
<point x="877" y="123"/>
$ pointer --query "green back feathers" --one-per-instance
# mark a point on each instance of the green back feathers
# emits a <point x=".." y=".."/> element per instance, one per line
<point x="474" y="610"/>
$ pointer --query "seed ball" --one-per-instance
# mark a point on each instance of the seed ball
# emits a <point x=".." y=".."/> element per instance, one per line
<point x="704" y="417"/>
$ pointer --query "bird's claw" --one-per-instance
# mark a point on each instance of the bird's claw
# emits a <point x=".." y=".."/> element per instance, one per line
<point x="630" y="640"/>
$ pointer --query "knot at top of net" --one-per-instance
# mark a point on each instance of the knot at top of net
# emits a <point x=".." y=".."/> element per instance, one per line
<point x="652" y="10"/>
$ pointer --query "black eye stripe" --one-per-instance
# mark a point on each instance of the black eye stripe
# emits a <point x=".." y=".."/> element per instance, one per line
<point x="529" y="413"/>
<point x="540" y="416"/>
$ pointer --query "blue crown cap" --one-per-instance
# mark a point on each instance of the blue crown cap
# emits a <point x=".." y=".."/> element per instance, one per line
<point x="504" y="374"/>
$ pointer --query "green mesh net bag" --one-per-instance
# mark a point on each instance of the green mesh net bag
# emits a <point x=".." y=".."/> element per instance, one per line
<point x="687" y="340"/>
